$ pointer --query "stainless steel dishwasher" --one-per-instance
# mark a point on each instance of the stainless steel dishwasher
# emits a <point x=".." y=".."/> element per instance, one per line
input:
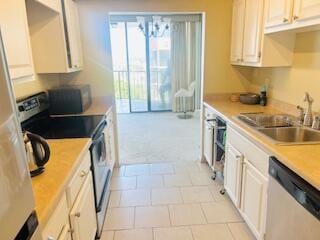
<point x="293" y="206"/>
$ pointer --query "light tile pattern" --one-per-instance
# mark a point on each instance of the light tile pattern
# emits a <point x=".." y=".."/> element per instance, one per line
<point x="176" y="201"/>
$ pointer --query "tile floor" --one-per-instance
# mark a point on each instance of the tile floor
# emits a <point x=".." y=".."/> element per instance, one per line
<point x="170" y="201"/>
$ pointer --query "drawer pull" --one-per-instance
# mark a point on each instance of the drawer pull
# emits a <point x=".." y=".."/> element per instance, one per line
<point x="238" y="156"/>
<point x="77" y="214"/>
<point x="83" y="173"/>
<point x="51" y="238"/>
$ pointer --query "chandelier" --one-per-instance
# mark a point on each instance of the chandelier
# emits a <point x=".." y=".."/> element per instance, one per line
<point x="156" y="29"/>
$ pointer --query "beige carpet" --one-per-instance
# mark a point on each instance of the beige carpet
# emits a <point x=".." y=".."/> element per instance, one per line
<point x="158" y="137"/>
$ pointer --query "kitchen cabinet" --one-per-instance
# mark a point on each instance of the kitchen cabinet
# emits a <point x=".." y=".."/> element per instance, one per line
<point x="82" y="215"/>
<point x="246" y="179"/>
<point x="66" y="233"/>
<point x="306" y="9"/>
<point x="278" y="13"/>
<point x="238" y="12"/>
<point x="252" y="31"/>
<point x="253" y="199"/>
<point x="55" y="36"/>
<point x="15" y="33"/>
<point x="233" y="173"/>
<point x="57" y="221"/>
<point x="250" y="46"/>
<point x="296" y="15"/>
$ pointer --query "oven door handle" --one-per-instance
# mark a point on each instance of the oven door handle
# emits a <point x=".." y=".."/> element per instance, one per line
<point x="105" y="188"/>
<point x="97" y="140"/>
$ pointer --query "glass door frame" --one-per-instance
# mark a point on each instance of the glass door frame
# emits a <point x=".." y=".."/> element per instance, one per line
<point x="148" y="69"/>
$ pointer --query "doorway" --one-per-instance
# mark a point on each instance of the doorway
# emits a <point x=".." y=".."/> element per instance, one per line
<point x="141" y="67"/>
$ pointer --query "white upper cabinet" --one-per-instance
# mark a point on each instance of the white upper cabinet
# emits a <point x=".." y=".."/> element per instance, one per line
<point x="73" y="32"/>
<point x="55" y="36"/>
<point x="15" y="32"/>
<point x="250" y="46"/>
<point x="306" y="9"/>
<point x="237" y="30"/>
<point x="297" y="15"/>
<point x="278" y="12"/>
<point x="253" y="29"/>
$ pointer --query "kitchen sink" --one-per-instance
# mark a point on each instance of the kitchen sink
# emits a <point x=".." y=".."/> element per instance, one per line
<point x="266" y="120"/>
<point x="291" y="135"/>
<point x="283" y="129"/>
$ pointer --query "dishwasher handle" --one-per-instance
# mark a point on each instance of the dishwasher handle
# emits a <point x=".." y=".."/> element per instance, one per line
<point x="303" y="192"/>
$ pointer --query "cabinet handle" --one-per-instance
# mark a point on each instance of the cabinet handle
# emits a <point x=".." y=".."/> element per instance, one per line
<point x="71" y="231"/>
<point x="83" y="173"/>
<point x="238" y="156"/>
<point x="51" y="238"/>
<point x="77" y="214"/>
<point x="285" y="20"/>
<point x="295" y="17"/>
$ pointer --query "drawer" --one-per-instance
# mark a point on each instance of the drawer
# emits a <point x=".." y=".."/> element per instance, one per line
<point x="258" y="158"/>
<point x="209" y="114"/>
<point x="57" y="220"/>
<point x="78" y="179"/>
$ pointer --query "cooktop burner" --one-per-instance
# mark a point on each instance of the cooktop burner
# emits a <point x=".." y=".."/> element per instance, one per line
<point x="63" y="127"/>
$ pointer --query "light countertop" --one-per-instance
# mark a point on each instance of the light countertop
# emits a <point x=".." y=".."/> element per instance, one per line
<point x="66" y="155"/>
<point x="100" y="106"/>
<point x="302" y="159"/>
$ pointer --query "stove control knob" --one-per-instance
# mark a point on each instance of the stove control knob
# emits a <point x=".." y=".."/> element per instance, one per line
<point x="21" y="108"/>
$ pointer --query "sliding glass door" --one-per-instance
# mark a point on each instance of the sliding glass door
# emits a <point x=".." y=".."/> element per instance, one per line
<point x="160" y="71"/>
<point x="141" y="67"/>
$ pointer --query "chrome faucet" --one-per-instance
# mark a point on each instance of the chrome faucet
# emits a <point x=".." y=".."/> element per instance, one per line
<point x="307" y="121"/>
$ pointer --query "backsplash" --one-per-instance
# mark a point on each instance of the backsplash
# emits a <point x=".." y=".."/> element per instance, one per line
<point x="40" y="83"/>
<point x="288" y="84"/>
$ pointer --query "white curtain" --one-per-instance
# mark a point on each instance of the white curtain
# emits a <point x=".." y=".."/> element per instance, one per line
<point x="185" y="63"/>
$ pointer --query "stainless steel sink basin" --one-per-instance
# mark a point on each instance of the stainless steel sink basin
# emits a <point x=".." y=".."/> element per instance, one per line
<point x="292" y="135"/>
<point x="282" y="129"/>
<point x="266" y="120"/>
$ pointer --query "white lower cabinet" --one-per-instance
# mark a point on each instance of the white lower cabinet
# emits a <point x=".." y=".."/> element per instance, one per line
<point x="66" y="233"/>
<point x="74" y="217"/>
<point x="83" y="216"/>
<point x="233" y="173"/>
<point x="246" y="179"/>
<point x="254" y="199"/>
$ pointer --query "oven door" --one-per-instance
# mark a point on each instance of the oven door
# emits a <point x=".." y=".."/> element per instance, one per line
<point x="100" y="168"/>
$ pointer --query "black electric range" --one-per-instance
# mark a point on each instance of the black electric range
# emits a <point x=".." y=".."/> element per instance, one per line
<point x="50" y="127"/>
<point x="34" y="115"/>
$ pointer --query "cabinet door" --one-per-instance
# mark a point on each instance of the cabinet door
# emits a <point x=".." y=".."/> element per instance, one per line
<point x="253" y="199"/>
<point x="65" y="234"/>
<point x="232" y="173"/>
<point x="253" y="31"/>
<point x="237" y="30"/>
<point x="278" y="12"/>
<point x="306" y="9"/>
<point x="73" y="34"/>
<point x="83" y="214"/>
<point x="15" y="31"/>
